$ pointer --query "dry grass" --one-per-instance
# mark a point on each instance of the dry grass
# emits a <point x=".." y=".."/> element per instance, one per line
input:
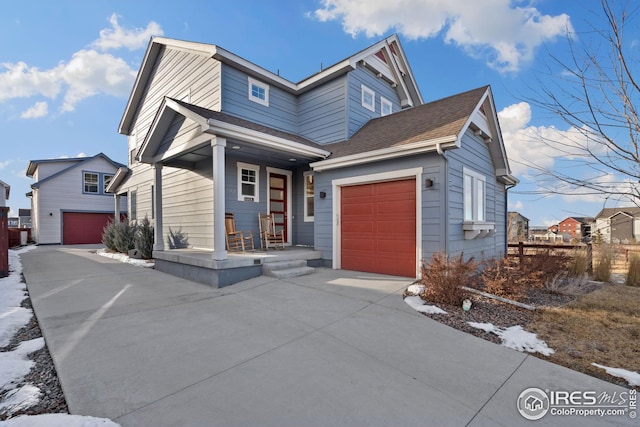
<point x="601" y="327"/>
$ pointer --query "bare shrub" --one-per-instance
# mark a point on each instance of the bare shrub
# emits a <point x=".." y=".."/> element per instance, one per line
<point x="563" y="283"/>
<point x="544" y="265"/>
<point x="444" y="278"/>
<point x="505" y="277"/>
<point x="602" y="268"/>
<point x="578" y="263"/>
<point x="633" y="273"/>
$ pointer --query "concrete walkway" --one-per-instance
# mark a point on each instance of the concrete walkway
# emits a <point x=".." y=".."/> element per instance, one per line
<point x="336" y="348"/>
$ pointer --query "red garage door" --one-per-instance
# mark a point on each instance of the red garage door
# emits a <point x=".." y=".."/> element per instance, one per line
<point x="378" y="223"/>
<point x="80" y="228"/>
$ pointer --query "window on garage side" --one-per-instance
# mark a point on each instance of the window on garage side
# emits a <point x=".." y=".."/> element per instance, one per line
<point x="308" y="197"/>
<point x="90" y="182"/>
<point x="106" y="179"/>
<point x="475" y="194"/>
<point x="248" y="182"/>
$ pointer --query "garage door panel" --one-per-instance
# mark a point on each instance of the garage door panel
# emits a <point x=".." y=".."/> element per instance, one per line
<point x="80" y="228"/>
<point x="378" y="228"/>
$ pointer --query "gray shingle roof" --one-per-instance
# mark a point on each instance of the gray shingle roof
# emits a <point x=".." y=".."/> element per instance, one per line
<point x="441" y="118"/>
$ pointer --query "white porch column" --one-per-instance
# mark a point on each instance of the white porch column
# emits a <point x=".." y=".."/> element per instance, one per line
<point x="116" y="208"/>
<point x="218" y="145"/>
<point x="158" y="240"/>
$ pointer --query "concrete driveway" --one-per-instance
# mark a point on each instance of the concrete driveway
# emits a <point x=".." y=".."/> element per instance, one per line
<point x="336" y="348"/>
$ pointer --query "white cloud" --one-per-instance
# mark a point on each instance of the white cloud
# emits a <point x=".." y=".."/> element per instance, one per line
<point x="21" y="81"/>
<point x="39" y="109"/>
<point x="4" y="164"/>
<point x="88" y="72"/>
<point x="506" y="36"/>
<point x="118" y="37"/>
<point x="516" y="206"/>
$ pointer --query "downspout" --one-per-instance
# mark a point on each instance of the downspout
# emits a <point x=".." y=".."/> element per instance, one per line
<point x="441" y="152"/>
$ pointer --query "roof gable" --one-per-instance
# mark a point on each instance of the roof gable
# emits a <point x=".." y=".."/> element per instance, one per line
<point x="434" y="126"/>
<point x="606" y="213"/>
<point x="77" y="162"/>
<point x="386" y="57"/>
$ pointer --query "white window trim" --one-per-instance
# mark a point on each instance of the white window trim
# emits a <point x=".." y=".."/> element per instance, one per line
<point x="385" y="102"/>
<point x="305" y="196"/>
<point x="256" y="168"/>
<point x="253" y="82"/>
<point x="475" y="177"/>
<point x="365" y="90"/>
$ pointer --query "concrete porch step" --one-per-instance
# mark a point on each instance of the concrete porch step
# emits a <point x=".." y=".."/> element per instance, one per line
<point x="288" y="268"/>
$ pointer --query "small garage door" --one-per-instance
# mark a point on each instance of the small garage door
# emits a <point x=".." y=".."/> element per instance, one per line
<point x="80" y="228"/>
<point x="378" y="228"/>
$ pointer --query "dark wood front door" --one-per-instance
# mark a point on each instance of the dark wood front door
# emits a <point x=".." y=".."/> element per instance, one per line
<point x="278" y="202"/>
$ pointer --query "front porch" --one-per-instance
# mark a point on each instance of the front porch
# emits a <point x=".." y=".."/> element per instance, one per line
<point x="198" y="265"/>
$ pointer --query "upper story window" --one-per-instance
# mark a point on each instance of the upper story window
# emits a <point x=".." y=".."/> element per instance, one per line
<point x="475" y="193"/>
<point x="368" y="98"/>
<point x="308" y="197"/>
<point x="91" y="182"/>
<point x="386" y="107"/>
<point x="95" y="182"/>
<point x="248" y="182"/>
<point x="258" y="92"/>
<point x="106" y="179"/>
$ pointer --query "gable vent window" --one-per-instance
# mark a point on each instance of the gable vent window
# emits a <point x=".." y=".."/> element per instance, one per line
<point x="258" y="92"/>
<point x="368" y="98"/>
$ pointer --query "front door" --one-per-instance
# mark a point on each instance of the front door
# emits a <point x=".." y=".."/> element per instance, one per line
<point x="278" y="202"/>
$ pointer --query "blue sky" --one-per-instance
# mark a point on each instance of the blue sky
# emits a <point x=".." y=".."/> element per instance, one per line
<point x="67" y="67"/>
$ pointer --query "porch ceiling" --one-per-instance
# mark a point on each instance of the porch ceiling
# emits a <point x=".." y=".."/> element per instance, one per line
<point x="247" y="139"/>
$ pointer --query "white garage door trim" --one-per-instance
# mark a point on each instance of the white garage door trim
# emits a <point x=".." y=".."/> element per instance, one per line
<point x="396" y="175"/>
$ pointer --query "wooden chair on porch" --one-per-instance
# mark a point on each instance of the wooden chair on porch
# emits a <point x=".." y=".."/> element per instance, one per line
<point x="236" y="240"/>
<point x="268" y="233"/>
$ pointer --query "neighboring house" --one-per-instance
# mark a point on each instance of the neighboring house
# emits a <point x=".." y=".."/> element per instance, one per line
<point x="24" y="216"/>
<point x="5" y="190"/>
<point x="69" y="204"/>
<point x="575" y="227"/>
<point x="546" y="234"/>
<point x="13" y="222"/>
<point x="350" y="161"/>
<point x="615" y="225"/>
<point x="517" y="227"/>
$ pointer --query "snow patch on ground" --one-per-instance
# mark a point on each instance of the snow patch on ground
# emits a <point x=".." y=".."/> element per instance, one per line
<point x="633" y="378"/>
<point x="418" y="304"/>
<point x="20" y="398"/>
<point x="58" y="420"/>
<point x="14" y="365"/>
<point x="125" y="258"/>
<point x="415" y="289"/>
<point x="13" y="291"/>
<point x="516" y="338"/>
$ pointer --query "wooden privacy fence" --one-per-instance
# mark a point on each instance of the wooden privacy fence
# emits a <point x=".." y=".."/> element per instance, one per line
<point x="522" y="253"/>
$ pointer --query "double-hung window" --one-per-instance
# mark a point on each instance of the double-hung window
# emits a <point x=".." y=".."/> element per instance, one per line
<point x="475" y="193"/>
<point x="90" y="182"/>
<point x="248" y="182"/>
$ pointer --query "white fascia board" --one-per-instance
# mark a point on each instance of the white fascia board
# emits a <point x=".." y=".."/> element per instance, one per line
<point x="229" y="130"/>
<point x="117" y="179"/>
<point x="386" y="153"/>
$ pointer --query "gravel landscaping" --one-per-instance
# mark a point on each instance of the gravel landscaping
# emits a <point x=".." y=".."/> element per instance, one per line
<point x="43" y="374"/>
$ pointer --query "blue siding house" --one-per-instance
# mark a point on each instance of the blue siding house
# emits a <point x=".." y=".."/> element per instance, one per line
<point x="350" y="161"/>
